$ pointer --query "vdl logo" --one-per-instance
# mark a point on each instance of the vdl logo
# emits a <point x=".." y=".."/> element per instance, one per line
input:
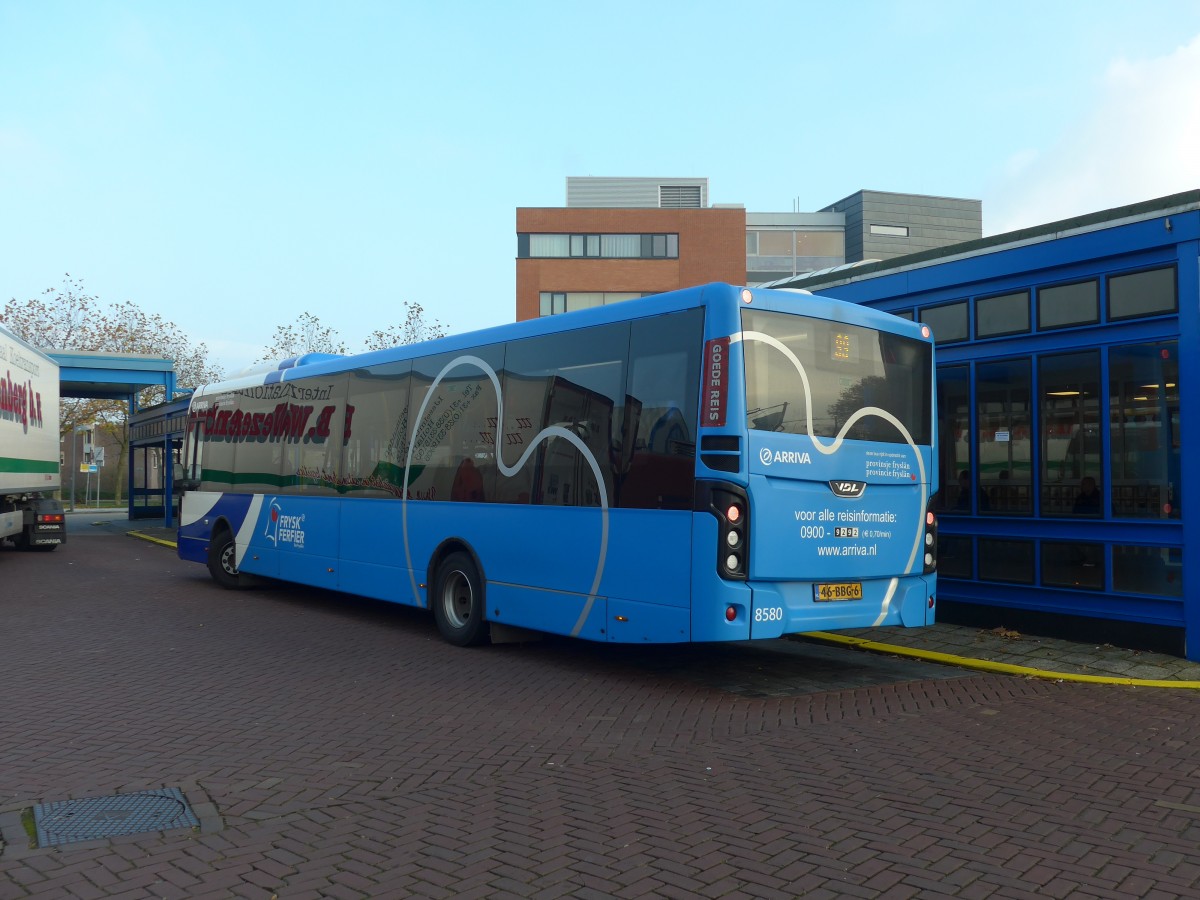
<point x="851" y="489"/>
<point x="767" y="456"/>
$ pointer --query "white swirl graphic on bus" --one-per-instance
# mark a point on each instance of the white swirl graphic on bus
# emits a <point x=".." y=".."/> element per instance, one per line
<point x="547" y="433"/>
<point x="832" y="448"/>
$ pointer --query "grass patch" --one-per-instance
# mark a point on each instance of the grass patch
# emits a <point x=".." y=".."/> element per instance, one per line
<point x="30" y="826"/>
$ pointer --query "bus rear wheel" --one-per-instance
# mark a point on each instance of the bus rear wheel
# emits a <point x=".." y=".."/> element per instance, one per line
<point x="222" y="560"/>
<point x="457" y="601"/>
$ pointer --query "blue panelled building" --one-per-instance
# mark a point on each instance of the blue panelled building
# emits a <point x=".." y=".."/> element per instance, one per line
<point x="1066" y="355"/>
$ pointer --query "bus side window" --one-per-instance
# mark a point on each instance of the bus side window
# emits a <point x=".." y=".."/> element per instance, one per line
<point x="573" y="381"/>
<point x="452" y="424"/>
<point x="375" y="444"/>
<point x="660" y="433"/>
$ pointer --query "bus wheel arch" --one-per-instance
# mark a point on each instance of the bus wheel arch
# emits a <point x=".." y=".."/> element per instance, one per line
<point x="457" y="595"/>
<point x="222" y="557"/>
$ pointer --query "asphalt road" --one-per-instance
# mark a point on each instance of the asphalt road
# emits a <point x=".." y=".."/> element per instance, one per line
<point x="329" y="747"/>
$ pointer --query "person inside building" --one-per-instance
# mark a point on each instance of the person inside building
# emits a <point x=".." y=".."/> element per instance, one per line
<point x="964" y="493"/>
<point x="1087" y="502"/>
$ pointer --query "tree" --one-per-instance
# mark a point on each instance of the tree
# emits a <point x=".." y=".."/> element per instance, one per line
<point x="413" y="330"/>
<point x="71" y="318"/>
<point x="308" y="335"/>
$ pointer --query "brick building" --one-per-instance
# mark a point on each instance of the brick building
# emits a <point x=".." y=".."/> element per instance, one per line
<point x="622" y="238"/>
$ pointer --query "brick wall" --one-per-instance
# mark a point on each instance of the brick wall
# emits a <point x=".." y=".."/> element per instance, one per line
<point x="712" y="247"/>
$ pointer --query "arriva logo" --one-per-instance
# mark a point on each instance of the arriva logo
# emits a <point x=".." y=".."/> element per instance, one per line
<point x="767" y="456"/>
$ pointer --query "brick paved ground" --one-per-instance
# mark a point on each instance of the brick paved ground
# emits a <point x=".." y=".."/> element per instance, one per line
<point x="333" y="748"/>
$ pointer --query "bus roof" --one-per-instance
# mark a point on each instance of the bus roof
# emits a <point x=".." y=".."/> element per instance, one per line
<point x="654" y="305"/>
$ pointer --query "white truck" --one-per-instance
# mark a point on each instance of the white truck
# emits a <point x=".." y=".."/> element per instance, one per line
<point x="30" y="515"/>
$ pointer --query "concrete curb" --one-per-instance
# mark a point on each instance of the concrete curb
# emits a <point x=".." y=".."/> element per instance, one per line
<point x="984" y="665"/>
<point x="148" y="537"/>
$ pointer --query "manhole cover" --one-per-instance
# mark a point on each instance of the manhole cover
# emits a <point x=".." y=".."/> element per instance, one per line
<point x="68" y="821"/>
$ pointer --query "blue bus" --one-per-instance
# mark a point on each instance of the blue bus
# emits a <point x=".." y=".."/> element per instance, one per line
<point x="710" y="464"/>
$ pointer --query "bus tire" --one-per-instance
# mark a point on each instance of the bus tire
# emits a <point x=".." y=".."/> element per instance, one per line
<point x="457" y="601"/>
<point x="222" y="560"/>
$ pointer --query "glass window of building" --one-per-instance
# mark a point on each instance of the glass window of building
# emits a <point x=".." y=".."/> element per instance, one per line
<point x="1148" y="570"/>
<point x="552" y="303"/>
<point x="954" y="556"/>
<point x="621" y="246"/>
<point x="1064" y="305"/>
<point x="1143" y="423"/>
<point x="551" y="245"/>
<point x="1148" y="293"/>
<point x="555" y="302"/>
<point x="775" y="243"/>
<point x="1072" y="453"/>
<point x="607" y="246"/>
<point x="1072" y="565"/>
<point x="1003" y="314"/>
<point x="954" y="425"/>
<point x="1005" y="560"/>
<point x="949" y="322"/>
<point x="1003" y="397"/>
<point x="821" y="244"/>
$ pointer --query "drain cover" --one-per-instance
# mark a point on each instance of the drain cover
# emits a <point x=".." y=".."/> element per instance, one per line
<point x="68" y="821"/>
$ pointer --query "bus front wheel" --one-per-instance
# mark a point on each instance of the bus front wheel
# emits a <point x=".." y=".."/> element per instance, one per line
<point x="458" y="601"/>
<point x="222" y="560"/>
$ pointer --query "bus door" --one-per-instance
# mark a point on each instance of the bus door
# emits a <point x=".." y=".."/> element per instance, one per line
<point x="192" y="456"/>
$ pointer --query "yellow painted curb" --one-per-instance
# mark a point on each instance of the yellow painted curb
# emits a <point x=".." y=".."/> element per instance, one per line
<point x="146" y="537"/>
<point x="987" y="666"/>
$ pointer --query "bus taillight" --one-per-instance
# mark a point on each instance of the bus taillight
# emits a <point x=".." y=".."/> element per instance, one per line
<point x="930" y="547"/>
<point x="730" y="504"/>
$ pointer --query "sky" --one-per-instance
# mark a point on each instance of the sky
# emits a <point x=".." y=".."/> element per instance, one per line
<point x="233" y="165"/>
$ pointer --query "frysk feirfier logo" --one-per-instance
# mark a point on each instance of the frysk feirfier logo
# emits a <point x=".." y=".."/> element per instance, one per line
<point x="285" y="529"/>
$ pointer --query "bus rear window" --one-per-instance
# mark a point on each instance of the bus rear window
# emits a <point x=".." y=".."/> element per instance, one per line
<point x="812" y="376"/>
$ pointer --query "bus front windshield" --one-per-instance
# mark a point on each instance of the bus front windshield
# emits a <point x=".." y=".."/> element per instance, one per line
<point x="811" y="376"/>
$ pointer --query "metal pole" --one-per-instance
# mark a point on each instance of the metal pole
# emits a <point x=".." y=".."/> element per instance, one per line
<point x="74" y="466"/>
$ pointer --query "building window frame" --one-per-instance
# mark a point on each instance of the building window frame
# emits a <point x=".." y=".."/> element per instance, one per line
<point x="1093" y="317"/>
<point x="958" y="336"/>
<point x="585" y="245"/>
<point x="1118" y="277"/>
<point x="983" y="304"/>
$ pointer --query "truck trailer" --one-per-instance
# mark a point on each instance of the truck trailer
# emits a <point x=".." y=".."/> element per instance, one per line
<point x="30" y="514"/>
